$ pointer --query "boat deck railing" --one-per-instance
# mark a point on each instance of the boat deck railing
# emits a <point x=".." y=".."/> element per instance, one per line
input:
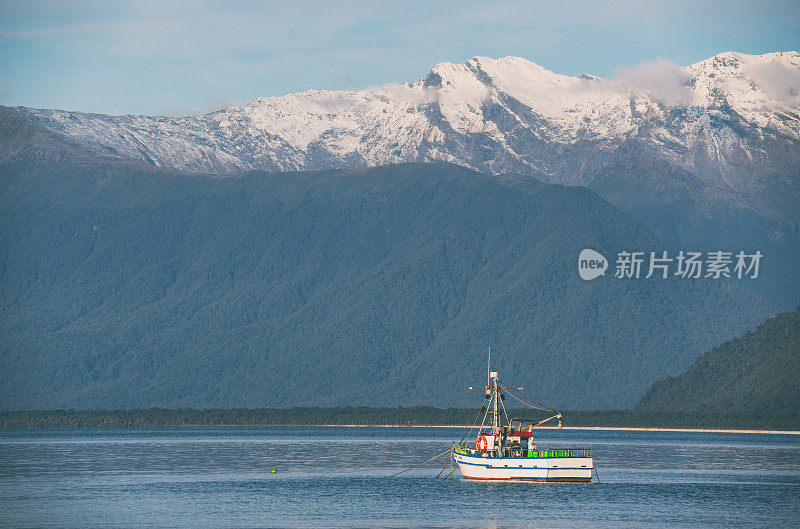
<point x="570" y="452"/>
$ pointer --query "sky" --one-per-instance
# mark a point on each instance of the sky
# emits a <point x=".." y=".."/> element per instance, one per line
<point x="181" y="58"/>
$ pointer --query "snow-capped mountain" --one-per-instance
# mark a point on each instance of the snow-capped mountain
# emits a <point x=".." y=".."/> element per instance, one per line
<point x="495" y="115"/>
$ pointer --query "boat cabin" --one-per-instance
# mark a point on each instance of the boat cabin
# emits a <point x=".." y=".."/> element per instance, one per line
<point x="513" y="441"/>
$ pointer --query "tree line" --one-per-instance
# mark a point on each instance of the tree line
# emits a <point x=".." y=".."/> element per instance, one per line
<point x="374" y="416"/>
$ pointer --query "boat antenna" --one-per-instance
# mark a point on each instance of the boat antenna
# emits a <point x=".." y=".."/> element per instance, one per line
<point x="489" y="367"/>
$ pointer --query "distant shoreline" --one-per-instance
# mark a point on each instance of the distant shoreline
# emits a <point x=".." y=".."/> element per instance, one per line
<point x="462" y="427"/>
<point x="438" y="426"/>
<point x="398" y="417"/>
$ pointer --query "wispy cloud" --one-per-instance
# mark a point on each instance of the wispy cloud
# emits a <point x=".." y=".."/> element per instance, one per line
<point x="660" y="79"/>
<point x="777" y="80"/>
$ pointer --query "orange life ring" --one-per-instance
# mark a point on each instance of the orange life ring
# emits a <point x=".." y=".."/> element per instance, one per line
<point x="481" y="443"/>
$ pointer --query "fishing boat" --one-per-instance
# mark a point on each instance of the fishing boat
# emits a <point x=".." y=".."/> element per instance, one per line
<point x="504" y="450"/>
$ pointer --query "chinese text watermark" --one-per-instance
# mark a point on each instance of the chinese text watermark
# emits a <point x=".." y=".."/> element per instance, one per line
<point x="688" y="265"/>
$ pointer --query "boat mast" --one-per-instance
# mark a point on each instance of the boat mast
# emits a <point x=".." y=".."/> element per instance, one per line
<point x="492" y="383"/>
<point x="489" y="368"/>
<point x="496" y="417"/>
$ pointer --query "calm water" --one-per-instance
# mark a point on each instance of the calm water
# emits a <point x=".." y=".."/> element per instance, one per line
<point x="337" y="477"/>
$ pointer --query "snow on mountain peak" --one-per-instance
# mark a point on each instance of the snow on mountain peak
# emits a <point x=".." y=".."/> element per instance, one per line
<point x="762" y="89"/>
<point x="443" y="115"/>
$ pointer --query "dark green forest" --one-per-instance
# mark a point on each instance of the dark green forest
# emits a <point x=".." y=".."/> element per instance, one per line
<point x="750" y="382"/>
<point x="757" y="373"/>
<point x="126" y="286"/>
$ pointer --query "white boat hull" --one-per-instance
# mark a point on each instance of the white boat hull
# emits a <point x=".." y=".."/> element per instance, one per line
<point x="568" y="469"/>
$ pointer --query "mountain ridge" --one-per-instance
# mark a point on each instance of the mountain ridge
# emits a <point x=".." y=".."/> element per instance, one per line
<point x="300" y="121"/>
<point x="134" y="282"/>
<point x="707" y="155"/>
<point x="732" y="121"/>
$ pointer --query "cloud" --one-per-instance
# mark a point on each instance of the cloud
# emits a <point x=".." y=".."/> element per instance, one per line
<point x="777" y="80"/>
<point x="186" y="29"/>
<point x="660" y="79"/>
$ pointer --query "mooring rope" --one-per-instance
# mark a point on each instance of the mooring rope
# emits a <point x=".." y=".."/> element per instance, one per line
<point x="420" y="464"/>
<point x="446" y="462"/>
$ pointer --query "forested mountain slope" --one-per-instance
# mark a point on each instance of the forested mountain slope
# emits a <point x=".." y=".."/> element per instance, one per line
<point x="756" y="373"/>
<point x="126" y="285"/>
